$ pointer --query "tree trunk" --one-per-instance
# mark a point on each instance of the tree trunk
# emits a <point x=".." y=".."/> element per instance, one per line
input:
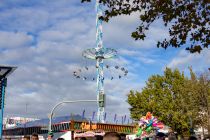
<point x="208" y="126"/>
<point x="208" y="120"/>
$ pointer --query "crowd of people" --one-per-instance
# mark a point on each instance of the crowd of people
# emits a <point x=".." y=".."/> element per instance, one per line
<point x="107" y="136"/>
<point x="112" y="136"/>
<point x="35" y="136"/>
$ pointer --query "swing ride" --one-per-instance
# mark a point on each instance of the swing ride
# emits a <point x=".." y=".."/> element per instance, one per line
<point x="113" y="72"/>
<point x="99" y="54"/>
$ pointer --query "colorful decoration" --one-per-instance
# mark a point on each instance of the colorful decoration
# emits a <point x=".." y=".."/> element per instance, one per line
<point x="147" y="125"/>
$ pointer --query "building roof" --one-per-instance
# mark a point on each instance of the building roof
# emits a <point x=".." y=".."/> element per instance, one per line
<point x="45" y="121"/>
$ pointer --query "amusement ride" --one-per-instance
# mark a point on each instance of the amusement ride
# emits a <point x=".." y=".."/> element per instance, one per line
<point x="147" y="127"/>
<point x="99" y="54"/>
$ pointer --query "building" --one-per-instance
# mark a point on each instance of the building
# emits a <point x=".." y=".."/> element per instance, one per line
<point x="10" y="122"/>
<point x="67" y="127"/>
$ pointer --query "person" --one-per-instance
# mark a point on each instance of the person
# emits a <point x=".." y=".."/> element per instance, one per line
<point x="111" y="136"/>
<point x="50" y="136"/>
<point x="192" y="138"/>
<point x="98" y="137"/>
<point x="160" y="136"/>
<point x="26" y="137"/>
<point x="172" y="136"/>
<point x="80" y="138"/>
<point x="34" y="136"/>
<point x="123" y="136"/>
<point x="60" y="139"/>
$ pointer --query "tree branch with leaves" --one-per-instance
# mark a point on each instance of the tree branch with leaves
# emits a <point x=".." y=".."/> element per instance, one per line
<point x="188" y="21"/>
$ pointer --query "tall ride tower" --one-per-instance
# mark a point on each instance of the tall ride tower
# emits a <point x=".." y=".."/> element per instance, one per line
<point x="99" y="53"/>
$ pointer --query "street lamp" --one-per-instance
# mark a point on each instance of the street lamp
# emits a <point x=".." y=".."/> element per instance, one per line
<point x="5" y="71"/>
<point x="60" y="103"/>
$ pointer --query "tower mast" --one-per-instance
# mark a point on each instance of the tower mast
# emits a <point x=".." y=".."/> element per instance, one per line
<point x="99" y="62"/>
<point x="99" y="53"/>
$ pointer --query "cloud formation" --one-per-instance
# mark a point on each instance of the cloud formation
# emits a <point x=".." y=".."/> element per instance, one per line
<point x="45" y="39"/>
<point x="14" y="39"/>
<point x="199" y="62"/>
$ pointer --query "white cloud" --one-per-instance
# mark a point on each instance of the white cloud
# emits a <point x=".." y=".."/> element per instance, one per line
<point x="199" y="62"/>
<point x="141" y="56"/>
<point x="53" y="35"/>
<point x="25" y="19"/>
<point x="14" y="39"/>
<point x="60" y="31"/>
<point x="147" y="60"/>
<point x="118" y="32"/>
<point x="157" y="33"/>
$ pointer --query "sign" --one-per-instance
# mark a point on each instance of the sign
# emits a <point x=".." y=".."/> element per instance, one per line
<point x="79" y="133"/>
<point x="44" y="128"/>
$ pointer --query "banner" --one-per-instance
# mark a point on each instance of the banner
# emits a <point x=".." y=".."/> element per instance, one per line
<point x="83" y="114"/>
<point x="93" y="116"/>
<point x="115" y="117"/>
<point x="124" y="119"/>
<point x="105" y="116"/>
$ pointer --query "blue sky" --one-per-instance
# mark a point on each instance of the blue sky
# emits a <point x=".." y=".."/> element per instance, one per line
<point x="45" y="40"/>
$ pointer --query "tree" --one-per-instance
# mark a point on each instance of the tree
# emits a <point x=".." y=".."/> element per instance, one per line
<point x="170" y="97"/>
<point x="203" y="99"/>
<point x="187" y="20"/>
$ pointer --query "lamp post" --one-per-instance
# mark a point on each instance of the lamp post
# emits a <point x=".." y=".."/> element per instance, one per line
<point x="60" y="103"/>
<point x="25" y="119"/>
<point x="5" y="71"/>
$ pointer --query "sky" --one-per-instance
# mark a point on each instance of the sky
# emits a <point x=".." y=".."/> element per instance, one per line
<point x="45" y="40"/>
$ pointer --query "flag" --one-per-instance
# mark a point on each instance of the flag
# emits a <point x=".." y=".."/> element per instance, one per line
<point x="124" y="119"/>
<point x="93" y="115"/>
<point x="71" y="116"/>
<point x="83" y="114"/>
<point x="105" y="116"/>
<point x="115" y="117"/>
<point x="128" y="121"/>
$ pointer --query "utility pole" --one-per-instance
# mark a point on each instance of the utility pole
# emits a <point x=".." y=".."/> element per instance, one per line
<point x="25" y="118"/>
